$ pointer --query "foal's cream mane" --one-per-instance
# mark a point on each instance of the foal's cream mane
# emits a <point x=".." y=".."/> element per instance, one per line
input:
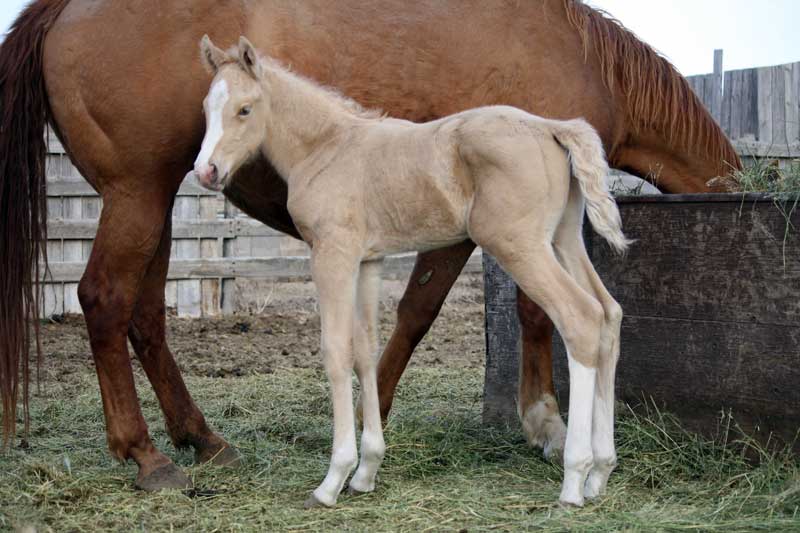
<point x="324" y="92"/>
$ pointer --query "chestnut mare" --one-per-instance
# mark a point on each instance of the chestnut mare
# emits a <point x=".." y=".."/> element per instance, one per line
<point x="119" y="83"/>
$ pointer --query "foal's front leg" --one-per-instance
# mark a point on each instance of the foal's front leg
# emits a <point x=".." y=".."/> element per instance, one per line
<point x="365" y="347"/>
<point x="335" y="277"/>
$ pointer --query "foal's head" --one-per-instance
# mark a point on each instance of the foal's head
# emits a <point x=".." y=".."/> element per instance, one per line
<point x="234" y="110"/>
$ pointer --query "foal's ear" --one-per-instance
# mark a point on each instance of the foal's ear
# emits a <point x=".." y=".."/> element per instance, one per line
<point x="211" y="56"/>
<point x="248" y="57"/>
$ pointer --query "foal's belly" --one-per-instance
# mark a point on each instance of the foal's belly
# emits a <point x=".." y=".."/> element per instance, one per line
<point x="417" y="214"/>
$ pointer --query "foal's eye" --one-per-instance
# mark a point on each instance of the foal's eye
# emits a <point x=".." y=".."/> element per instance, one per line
<point x="244" y="111"/>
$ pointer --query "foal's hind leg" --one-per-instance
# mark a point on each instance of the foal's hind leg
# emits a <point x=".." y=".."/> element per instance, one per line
<point x="185" y="423"/>
<point x="578" y="317"/>
<point x="573" y="255"/>
<point x="365" y="347"/>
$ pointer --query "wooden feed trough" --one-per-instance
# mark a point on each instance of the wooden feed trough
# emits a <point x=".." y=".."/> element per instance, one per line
<point x="711" y="296"/>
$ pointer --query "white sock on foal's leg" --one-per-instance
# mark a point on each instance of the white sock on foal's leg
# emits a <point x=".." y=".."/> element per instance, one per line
<point x="605" y="454"/>
<point x="372" y="444"/>
<point x="578" y="456"/>
<point x="344" y="454"/>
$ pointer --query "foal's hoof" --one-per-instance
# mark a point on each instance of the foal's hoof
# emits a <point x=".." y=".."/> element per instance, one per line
<point x="167" y="476"/>
<point x="352" y="491"/>
<point x="226" y="456"/>
<point x="313" y="503"/>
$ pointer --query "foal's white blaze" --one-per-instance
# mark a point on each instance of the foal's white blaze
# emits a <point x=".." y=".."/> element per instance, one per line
<point x="578" y="449"/>
<point x="217" y="98"/>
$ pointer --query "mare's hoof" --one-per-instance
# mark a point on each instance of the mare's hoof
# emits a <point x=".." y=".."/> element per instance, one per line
<point x="167" y="476"/>
<point x="226" y="456"/>
<point x="313" y="503"/>
<point x="554" y="454"/>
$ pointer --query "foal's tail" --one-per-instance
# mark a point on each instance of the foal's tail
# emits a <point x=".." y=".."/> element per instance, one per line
<point x="24" y="112"/>
<point x="590" y="168"/>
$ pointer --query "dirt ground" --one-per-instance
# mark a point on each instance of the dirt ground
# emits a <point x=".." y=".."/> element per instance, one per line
<point x="283" y="333"/>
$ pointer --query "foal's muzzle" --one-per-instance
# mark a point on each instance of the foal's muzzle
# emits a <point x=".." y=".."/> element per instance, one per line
<point x="208" y="176"/>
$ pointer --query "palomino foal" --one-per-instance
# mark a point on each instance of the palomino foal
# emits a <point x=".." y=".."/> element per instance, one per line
<point x="362" y="186"/>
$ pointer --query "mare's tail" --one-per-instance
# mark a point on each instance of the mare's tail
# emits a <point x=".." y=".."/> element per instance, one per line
<point x="24" y="112"/>
<point x="590" y="168"/>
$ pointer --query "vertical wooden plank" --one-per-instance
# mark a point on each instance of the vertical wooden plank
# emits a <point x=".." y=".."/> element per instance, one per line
<point x="748" y="105"/>
<point x="502" y="344"/>
<point x="244" y="247"/>
<point x="765" y="105"/>
<point x="716" y="87"/>
<point x="73" y="208"/>
<point x="725" y="119"/>
<point x="211" y="207"/>
<point x="210" y="289"/>
<point x="91" y="206"/>
<point x="53" y="299"/>
<point x="54" y="208"/>
<point x="189" y="298"/>
<point x="73" y="251"/>
<point x="210" y="297"/>
<point x="55" y="250"/>
<point x="87" y="249"/>
<point x="736" y="105"/>
<point x="228" y="297"/>
<point x="71" y="303"/>
<point x="171" y="294"/>
<point x="228" y="301"/>
<point x="792" y="102"/>
<point x="778" y="105"/>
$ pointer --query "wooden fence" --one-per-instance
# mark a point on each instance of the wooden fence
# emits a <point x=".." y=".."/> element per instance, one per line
<point x="758" y="108"/>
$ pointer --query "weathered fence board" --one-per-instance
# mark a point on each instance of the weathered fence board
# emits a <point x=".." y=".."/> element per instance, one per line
<point x="760" y="104"/>
<point x="711" y="295"/>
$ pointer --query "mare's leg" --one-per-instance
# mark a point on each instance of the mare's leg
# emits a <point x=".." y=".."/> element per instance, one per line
<point x="579" y="319"/>
<point x="433" y="276"/>
<point x="537" y="405"/>
<point x="127" y="239"/>
<point x="571" y="251"/>
<point x="185" y="423"/>
<point x="365" y="348"/>
<point x="335" y="274"/>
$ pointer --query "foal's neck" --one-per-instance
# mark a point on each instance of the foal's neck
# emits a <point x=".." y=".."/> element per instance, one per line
<point x="301" y="118"/>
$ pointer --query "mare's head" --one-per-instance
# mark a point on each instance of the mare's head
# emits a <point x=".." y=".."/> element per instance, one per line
<point x="235" y="112"/>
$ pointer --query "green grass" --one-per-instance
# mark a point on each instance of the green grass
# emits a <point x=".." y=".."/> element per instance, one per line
<point x="762" y="174"/>
<point x="444" y="471"/>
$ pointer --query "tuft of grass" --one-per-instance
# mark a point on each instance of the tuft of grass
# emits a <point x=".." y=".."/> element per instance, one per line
<point x="764" y="174"/>
<point x="444" y="470"/>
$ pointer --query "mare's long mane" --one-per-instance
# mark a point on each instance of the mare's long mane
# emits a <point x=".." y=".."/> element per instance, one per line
<point x="658" y="97"/>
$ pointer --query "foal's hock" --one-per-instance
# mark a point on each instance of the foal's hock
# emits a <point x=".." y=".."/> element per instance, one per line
<point x="362" y="186"/>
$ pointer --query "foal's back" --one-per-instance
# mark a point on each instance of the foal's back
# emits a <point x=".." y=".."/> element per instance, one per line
<point x="418" y="183"/>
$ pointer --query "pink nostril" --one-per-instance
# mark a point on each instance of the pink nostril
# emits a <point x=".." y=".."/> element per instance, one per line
<point x="206" y="174"/>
